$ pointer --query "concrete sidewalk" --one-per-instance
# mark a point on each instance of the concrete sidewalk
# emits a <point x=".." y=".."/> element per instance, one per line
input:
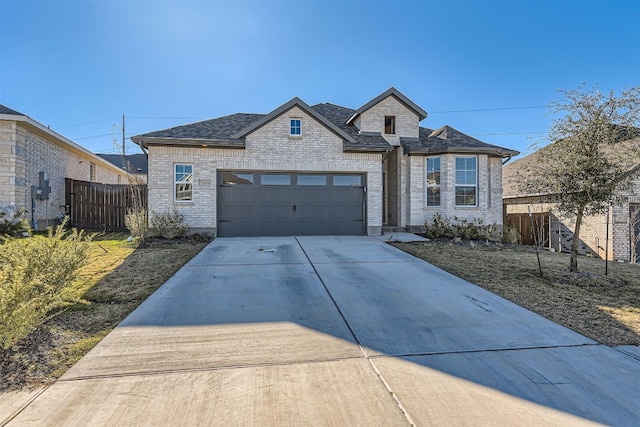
<point x="336" y="331"/>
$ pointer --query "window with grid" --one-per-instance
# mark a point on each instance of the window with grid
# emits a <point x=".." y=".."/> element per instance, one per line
<point x="296" y="127"/>
<point x="466" y="181"/>
<point x="433" y="181"/>
<point x="183" y="183"/>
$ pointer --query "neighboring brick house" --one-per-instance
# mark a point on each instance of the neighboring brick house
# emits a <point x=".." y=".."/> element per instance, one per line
<point x="135" y="164"/>
<point x="611" y="234"/>
<point x="28" y="148"/>
<point x="322" y="169"/>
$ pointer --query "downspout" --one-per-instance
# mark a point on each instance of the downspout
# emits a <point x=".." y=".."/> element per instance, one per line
<point x="506" y="161"/>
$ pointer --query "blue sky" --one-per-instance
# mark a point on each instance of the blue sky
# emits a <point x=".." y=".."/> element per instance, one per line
<point x="487" y="68"/>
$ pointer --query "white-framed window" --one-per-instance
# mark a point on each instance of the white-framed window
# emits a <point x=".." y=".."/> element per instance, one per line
<point x="466" y="181"/>
<point x="295" y="128"/>
<point x="183" y="182"/>
<point x="92" y="172"/>
<point x="432" y="184"/>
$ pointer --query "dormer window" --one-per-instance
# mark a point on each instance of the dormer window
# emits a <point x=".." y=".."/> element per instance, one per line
<point x="390" y="125"/>
<point x="296" y="127"/>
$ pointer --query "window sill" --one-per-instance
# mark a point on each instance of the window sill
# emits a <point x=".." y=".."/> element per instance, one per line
<point x="183" y="202"/>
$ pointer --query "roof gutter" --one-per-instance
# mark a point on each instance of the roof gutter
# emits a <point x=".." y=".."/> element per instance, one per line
<point x="45" y="130"/>
<point x="145" y="142"/>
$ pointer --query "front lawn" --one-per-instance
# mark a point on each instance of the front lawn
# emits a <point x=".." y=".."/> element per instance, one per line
<point x="604" y="308"/>
<point x="117" y="279"/>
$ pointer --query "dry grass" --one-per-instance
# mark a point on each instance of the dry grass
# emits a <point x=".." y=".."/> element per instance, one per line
<point x="118" y="278"/>
<point x="604" y="308"/>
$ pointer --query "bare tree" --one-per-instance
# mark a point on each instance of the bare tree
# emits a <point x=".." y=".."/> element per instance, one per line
<point x="634" y="224"/>
<point x="587" y="165"/>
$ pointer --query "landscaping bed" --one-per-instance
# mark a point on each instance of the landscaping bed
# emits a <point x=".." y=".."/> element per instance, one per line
<point x="605" y="308"/>
<point x="119" y="276"/>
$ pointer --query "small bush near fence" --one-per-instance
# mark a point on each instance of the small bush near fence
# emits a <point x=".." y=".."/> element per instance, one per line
<point x="136" y="222"/>
<point x="169" y="224"/>
<point x="36" y="277"/>
<point x="460" y="227"/>
<point x="12" y="226"/>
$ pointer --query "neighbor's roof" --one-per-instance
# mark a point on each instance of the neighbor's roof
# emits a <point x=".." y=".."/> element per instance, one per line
<point x="515" y="172"/>
<point x="137" y="163"/>
<point x="7" y="113"/>
<point x="7" y="110"/>
<point x="231" y="131"/>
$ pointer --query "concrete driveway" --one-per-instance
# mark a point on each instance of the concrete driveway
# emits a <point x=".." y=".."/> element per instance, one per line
<point x="336" y="331"/>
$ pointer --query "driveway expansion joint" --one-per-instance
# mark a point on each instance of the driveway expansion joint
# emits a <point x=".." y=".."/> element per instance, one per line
<point x="486" y="350"/>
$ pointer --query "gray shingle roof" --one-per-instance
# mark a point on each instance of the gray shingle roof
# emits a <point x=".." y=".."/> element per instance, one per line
<point x="230" y="131"/>
<point x="7" y="110"/>
<point x="449" y="140"/>
<point x="219" y="128"/>
<point x="138" y="163"/>
<point x="392" y="91"/>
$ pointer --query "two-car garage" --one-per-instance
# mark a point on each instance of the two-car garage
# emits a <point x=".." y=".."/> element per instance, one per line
<point x="259" y="203"/>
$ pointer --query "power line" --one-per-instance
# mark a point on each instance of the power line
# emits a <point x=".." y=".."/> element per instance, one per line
<point x="164" y="118"/>
<point x="87" y="123"/>
<point x="95" y="136"/>
<point x="489" y="109"/>
<point x="507" y="133"/>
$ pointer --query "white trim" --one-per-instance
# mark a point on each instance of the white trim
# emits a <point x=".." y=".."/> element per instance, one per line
<point x="291" y="127"/>
<point x="176" y="183"/>
<point x="72" y="145"/>
<point x="456" y="185"/>
<point x="426" y="184"/>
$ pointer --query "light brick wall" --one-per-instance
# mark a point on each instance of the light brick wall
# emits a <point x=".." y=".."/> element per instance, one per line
<point x="31" y="152"/>
<point x="593" y="230"/>
<point x="622" y="222"/>
<point x="407" y="122"/>
<point x="269" y="148"/>
<point x="489" y="192"/>
<point x="12" y="167"/>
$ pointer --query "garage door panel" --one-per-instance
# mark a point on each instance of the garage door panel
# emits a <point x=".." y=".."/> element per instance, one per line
<point x="310" y="208"/>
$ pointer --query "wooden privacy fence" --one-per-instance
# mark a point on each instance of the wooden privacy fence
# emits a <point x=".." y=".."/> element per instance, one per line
<point x="101" y="207"/>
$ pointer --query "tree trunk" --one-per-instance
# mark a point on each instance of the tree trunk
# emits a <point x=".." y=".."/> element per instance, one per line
<point x="573" y="265"/>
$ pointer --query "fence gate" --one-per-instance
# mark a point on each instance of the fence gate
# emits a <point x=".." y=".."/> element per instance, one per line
<point x="101" y="207"/>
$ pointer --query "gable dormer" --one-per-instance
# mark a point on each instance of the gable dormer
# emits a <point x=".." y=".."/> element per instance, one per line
<point x="390" y="114"/>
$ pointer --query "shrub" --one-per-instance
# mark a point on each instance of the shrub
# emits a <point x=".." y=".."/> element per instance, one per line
<point x="136" y="222"/>
<point x="439" y="227"/>
<point x="461" y="228"/>
<point x="36" y="277"/>
<point x="169" y="224"/>
<point x="511" y="235"/>
<point x="13" y="226"/>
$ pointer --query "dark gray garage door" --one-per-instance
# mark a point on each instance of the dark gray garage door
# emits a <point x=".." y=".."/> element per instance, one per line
<point x="288" y="204"/>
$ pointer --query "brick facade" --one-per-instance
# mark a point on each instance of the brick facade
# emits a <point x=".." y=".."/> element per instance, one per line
<point x="269" y="148"/>
<point x="395" y="180"/>
<point x="27" y="149"/>
<point x="595" y="239"/>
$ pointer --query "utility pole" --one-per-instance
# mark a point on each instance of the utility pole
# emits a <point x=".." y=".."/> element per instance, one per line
<point x="124" y="147"/>
<point x="125" y="166"/>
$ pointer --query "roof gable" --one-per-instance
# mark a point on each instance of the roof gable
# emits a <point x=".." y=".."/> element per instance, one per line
<point x="392" y="91"/>
<point x="449" y="140"/>
<point x="283" y="109"/>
